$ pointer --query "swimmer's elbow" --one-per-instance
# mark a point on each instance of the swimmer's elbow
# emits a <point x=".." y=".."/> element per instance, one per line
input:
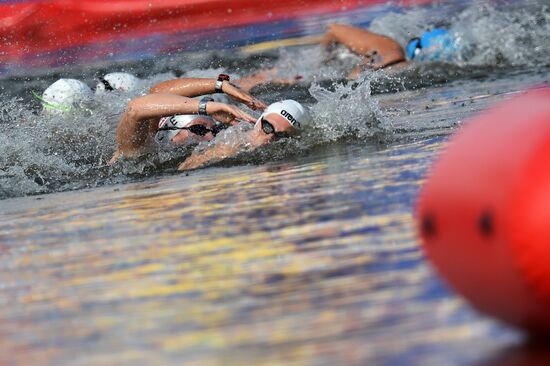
<point x="392" y="57"/>
<point x="163" y="87"/>
<point x="338" y="27"/>
<point x="154" y="90"/>
<point x="397" y="56"/>
<point x="191" y="163"/>
<point x="133" y="111"/>
<point x="133" y="105"/>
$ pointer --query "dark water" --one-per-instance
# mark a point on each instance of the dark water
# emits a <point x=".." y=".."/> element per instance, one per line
<point x="302" y="253"/>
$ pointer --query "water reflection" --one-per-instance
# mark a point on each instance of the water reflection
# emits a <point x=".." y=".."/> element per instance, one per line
<point x="309" y="262"/>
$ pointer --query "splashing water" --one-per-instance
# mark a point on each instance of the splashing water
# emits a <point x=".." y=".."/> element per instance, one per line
<point x="349" y="110"/>
<point x="518" y="37"/>
<point x="41" y="154"/>
<point x="44" y="153"/>
<point x="485" y="33"/>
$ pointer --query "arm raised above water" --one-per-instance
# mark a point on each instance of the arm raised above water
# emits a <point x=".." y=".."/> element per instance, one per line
<point x="193" y="87"/>
<point x="186" y="87"/>
<point x="378" y="50"/>
<point x="139" y="122"/>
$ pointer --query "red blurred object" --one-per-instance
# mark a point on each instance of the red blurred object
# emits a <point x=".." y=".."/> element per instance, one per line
<point x="484" y="213"/>
<point x="31" y="27"/>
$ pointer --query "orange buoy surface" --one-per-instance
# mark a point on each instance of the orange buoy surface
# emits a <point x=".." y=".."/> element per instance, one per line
<point x="484" y="212"/>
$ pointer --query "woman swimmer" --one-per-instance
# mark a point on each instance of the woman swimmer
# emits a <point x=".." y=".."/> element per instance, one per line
<point x="377" y="51"/>
<point x="170" y="115"/>
<point x="281" y="119"/>
<point x="71" y="95"/>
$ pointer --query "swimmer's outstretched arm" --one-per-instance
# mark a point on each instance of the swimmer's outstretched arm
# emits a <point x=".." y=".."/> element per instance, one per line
<point x="378" y="50"/>
<point x="193" y="87"/>
<point x="213" y="154"/>
<point x="222" y="150"/>
<point x="139" y="122"/>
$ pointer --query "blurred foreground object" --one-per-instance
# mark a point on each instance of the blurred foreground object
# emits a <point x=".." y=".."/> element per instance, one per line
<point x="484" y="213"/>
<point x="53" y="33"/>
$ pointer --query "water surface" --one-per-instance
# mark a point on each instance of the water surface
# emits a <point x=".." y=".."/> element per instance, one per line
<point x="303" y="253"/>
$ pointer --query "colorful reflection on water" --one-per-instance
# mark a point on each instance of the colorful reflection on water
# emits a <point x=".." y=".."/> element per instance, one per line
<point x="309" y="262"/>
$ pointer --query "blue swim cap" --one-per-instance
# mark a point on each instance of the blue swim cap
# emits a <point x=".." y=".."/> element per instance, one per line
<point x="433" y="37"/>
<point x="436" y="45"/>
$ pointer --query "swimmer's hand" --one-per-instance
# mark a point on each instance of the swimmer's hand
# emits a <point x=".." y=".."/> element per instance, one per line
<point x="213" y="154"/>
<point x="192" y="162"/>
<point x="243" y="97"/>
<point x="226" y="113"/>
<point x="115" y="157"/>
<point x="373" y="60"/>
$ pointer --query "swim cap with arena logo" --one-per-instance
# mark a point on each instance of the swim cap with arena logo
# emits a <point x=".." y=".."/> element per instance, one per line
<point x="295" y="113"/>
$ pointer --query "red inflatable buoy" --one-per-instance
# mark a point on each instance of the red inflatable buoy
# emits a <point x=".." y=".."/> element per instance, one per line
<point x="484" y="213"/>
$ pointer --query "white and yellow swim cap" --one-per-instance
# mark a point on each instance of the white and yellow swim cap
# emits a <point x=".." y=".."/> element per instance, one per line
<point x="65" y="95"/>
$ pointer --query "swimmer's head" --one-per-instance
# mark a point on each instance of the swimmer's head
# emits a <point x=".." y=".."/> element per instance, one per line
<point x="64" y="96"/>
<point x="284" y="118"/>
<point x="117" y="81"/>
<point x="184" y="129"/>
<point x="437" y="38"/>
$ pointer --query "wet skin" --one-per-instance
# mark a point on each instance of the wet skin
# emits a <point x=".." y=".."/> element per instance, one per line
<point x="255" y="138"/>
<point x="139" y="123"/>
<point x="377" y="51"/>
<point x="185" y="136"/>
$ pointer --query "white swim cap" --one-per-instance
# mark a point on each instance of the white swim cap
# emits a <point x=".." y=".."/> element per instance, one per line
<point x="64" y="95"/>
<point x="120" y="81"/>
<point x="169" y="127"/>
<point x="295" y="113"/>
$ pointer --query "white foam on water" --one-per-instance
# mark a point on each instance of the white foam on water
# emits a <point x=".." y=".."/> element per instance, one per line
<point x="348" y="110"/>
<point x="486" y="33"/>
<point x="41" y="153"/>
<point x="494" y="36"/>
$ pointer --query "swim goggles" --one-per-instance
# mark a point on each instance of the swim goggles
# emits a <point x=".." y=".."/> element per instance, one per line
<point x="199" y="130"/>
<point x="413" y="48"/>
<point x="106" y="84"/>
<point x="268" y="128"/>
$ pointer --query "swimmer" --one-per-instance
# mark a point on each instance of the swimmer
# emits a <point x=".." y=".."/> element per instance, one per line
<point x="434" y="45"/>
<point x="65" y="96"/>
<point x="376" y="51"/>
<point x="169" y="115"/>
<point x="117" y="81"/>
<point x="280" y="120"/>
<point x="69" y="95"/>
